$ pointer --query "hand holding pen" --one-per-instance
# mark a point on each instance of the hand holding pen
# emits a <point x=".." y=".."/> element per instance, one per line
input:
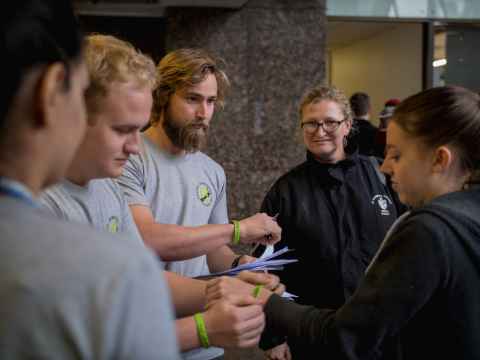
<point x="259" y="228"/>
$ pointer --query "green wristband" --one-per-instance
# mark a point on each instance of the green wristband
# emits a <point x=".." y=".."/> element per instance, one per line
<point x="256" y="290"/>
<point x="202" y="330"/>
<point x="236" y="232"/>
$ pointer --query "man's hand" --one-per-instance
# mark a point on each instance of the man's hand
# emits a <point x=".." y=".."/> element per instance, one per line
<point x="280" y="352"/>
<point x="224" y="286"/>
<point x="243" y="284"/>
<point x="260" y="228"/>
<point x="269" y="281"/>
<point x="245" y="259"/>
<point x="235" y="321"/>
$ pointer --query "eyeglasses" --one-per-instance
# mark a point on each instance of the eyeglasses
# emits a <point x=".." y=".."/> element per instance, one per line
<point x="328" y="126"/>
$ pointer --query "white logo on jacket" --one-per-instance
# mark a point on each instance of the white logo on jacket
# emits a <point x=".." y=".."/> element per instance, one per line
<point x="382" y="201"/>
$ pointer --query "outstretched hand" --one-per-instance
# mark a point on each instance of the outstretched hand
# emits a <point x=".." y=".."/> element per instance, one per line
<point x="260" y="228"/>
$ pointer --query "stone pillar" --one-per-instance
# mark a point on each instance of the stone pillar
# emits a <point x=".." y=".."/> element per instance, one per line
<point x="274" y="50"/>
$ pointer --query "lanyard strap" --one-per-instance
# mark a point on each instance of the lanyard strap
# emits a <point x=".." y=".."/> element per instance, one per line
<point x="16" y="190"/>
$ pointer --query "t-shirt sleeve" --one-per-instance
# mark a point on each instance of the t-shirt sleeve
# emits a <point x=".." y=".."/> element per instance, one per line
<point x="413" y="264"/>
<point x="133" y="181"/>
<point x="140" y="322"/>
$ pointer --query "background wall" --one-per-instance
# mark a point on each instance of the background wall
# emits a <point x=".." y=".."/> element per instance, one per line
<point x="273" y="51"/>
<point x="387" y="64"/>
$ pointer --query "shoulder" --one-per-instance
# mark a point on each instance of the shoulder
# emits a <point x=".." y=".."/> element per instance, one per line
<point x="110" y="185"/>
<point x="423" y="226"/>
<point x="54" y="198"/>
<point x="69" y="243"/>
<point x="454" y="210"/>
<point x="370" y="166"/>
<point x="290" y="180"/>
<point x="208" y="163"/>
<point x="145" y="154"/>
<point x="296" y="174"/>
<point x="54" y="192"/>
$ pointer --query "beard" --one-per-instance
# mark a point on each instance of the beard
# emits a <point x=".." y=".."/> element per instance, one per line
<point x="190" y="137"/>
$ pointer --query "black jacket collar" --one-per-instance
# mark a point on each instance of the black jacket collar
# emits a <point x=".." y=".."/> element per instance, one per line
<point x="336" y="171"/>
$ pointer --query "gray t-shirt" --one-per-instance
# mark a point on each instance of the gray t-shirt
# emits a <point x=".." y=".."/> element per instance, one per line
<point x="70" y="292"/>
<point x="100" y="203"/>
<point x="186" y="190"/>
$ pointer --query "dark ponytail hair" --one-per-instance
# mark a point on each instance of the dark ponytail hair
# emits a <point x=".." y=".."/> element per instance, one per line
<point x="35" y="33"/>
<point x="445" y="115"/>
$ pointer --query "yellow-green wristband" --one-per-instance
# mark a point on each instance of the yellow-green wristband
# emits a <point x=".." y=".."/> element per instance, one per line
<point x="256" y="290"/>
<point x="202" y="330"/>
<point x="236" y="232"/>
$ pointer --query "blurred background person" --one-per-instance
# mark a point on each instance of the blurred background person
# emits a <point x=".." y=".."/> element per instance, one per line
<point x="384" y="118"/>
<point x="363" y="132"/>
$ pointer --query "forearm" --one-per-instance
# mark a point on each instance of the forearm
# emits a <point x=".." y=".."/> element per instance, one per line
<point x="303" y="324"/>
<point x="174" y="242"/>
<point x="187" y="334"/>
<point x="188" y="295"/>
<point x="220" y="259"/>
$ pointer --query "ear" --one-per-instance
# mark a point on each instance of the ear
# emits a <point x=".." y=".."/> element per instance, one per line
<point x="348" y="127"/>
<point x="442" y="160"/>
<point x="51" y="88"/>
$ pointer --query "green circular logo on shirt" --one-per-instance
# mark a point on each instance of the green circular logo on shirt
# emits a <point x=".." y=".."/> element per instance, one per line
<point x="113" y="224"/>
<point x="204" y="194"/>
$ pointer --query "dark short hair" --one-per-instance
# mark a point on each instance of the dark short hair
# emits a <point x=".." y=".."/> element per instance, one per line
<point x="35" y="33"/>
<point x="444" y="115"/>
<point x="360" y="104"/>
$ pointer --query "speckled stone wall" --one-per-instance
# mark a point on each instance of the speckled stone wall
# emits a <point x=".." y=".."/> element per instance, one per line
<point x="273" y="50"/>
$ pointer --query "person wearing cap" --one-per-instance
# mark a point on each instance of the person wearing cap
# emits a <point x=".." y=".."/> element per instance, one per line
<point x="385" y="115"/>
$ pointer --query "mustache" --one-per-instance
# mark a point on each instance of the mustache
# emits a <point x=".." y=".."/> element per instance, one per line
<point x="198" y="125"/>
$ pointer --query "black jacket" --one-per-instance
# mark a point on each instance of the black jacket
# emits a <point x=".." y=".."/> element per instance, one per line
<point x="364" y="136"/>
<point x="424" y="287"/>
<point x="335" y="217"/>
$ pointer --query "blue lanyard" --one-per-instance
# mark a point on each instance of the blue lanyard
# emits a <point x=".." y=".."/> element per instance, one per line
<point x="16" y="190"/>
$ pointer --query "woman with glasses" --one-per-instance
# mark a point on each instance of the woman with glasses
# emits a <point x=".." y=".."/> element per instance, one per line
<point x="334" y="209"/>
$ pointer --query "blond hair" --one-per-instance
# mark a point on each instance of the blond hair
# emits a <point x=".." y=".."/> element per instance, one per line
<point x="330" y="93"/>
<point x="185" y="68"/>
<point x="110" y="60"/>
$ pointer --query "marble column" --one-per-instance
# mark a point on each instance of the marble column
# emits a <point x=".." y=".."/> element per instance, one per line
<point x="273" y="50"/>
